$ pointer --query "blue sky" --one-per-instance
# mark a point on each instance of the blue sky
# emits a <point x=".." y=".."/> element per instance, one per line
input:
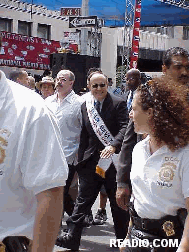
<point x="153" y="12"/>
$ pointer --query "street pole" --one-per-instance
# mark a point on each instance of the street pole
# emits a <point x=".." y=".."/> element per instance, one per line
<point x="31" y="8"/>
<point x="85" y="8"/>
<point x="84" y="31"/>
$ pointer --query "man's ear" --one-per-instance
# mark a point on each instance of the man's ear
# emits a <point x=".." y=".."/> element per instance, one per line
<point x="71" y="83"/>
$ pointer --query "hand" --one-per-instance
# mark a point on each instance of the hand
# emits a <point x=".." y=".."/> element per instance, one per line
<point x="123" y="195"/>
<point x="107" y="152"/>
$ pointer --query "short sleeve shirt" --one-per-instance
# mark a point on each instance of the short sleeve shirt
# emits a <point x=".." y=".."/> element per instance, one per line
<point x="160" y="181"/>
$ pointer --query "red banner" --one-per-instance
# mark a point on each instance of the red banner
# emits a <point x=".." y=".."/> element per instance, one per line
<point x="27" y="52"/>
<point x="136" y="38"/>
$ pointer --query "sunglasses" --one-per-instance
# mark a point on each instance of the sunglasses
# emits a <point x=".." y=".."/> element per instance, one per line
<point x="100" y="85"/>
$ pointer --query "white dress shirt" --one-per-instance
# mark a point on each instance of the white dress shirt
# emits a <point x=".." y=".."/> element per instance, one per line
<point x="68" y="113"/>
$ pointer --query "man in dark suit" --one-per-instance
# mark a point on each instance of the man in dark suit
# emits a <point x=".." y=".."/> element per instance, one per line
<point x="133" y="80"/>
<point x="113" y="112"/>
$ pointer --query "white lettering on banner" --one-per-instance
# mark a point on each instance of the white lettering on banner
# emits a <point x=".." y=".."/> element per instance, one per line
<point x="134" y="243"/>
<point x="10" y="62"/>
<point x="28" y="52"/>
<point x="19" y="37"/>
<point x="22" y="63"/>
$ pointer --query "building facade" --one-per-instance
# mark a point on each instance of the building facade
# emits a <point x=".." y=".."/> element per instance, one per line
<point x="37" y="21"/>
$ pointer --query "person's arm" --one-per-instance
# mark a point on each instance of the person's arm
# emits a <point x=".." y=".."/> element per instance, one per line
<point x="124" y="167"/>
<point x="121" y="120"/>
<point x="47" y="219"/>
<point x="123" y="195"/>
<point x="184" y="244"/>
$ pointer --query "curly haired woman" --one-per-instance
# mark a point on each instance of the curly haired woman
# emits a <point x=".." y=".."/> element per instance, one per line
<point x="160" y="169"/>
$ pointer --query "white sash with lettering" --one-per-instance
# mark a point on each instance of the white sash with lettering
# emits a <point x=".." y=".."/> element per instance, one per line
<point x="102" y="132"/>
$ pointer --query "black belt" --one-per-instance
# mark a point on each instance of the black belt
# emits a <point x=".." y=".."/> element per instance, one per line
<point x="168" y="226"/>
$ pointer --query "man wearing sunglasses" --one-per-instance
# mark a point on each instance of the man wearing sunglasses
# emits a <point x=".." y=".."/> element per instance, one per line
<point x="111" y="112"/>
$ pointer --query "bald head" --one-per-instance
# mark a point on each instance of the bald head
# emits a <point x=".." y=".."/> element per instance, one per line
<point x="134" y="71"/>
<point x="67" y="72"/>
<point x="133" y="79"/>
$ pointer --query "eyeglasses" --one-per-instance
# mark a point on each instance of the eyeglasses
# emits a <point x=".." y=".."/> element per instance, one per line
<point x="98" y="85"/>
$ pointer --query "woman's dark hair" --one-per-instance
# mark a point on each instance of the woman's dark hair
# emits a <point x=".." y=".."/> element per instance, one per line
<point x="170" y="122"/>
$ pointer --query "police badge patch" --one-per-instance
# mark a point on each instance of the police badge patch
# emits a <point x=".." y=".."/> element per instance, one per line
<point x="168" y="227"/>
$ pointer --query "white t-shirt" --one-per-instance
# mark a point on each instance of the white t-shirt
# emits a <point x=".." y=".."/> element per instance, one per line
<point x="31" y="158"/>
<point x="160" y="182"/>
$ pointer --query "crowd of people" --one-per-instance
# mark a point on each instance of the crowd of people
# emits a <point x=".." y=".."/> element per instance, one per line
<point x="131" y="148"/>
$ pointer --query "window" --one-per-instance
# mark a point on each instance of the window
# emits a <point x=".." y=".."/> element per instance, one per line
<point x="24" y="28"/>
<point x="43" y="31"/>
<point x="166" y="30"/>
<point x="186" y="33"/>
<point x="5" y="24"/>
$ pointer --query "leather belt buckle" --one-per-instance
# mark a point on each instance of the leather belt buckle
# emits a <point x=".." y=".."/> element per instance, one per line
<point x="168" y="227"/>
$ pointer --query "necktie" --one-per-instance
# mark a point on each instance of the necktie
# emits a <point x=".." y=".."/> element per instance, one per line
<point x="129" y="101"/>
<point x="97" y="106"/>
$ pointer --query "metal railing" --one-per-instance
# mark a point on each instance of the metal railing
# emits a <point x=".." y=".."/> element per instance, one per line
<point x="184" y="4"/>
<point x="31" y="8"/>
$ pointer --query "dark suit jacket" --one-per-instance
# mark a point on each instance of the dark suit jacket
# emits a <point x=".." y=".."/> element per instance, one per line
<point x="125" y="157"/>
<point x="115" y="116"/>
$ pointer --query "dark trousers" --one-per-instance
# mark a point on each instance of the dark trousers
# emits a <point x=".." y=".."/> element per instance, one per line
<point x="68" y="201"/>
<point x="89" y="186"/>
